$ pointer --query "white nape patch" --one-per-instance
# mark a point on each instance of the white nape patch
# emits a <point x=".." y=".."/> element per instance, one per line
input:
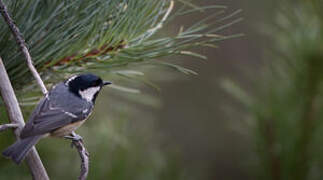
<point x="88" y="93"/>
<point x="70" y="79"/>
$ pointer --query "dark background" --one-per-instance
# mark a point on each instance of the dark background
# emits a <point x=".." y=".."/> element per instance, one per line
<point x="212" y="138"/>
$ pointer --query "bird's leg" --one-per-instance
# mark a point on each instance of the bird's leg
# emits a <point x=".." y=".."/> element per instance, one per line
<point x="74" y="137"/>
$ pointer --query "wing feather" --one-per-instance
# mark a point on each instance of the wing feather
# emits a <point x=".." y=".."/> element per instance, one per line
<point x="45" y="119"/>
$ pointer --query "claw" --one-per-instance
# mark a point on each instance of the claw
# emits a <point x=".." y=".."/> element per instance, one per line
<point x="74" y="137"/>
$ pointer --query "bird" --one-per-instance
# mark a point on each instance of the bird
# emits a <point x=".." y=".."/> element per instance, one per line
<point x="63" y="109"/>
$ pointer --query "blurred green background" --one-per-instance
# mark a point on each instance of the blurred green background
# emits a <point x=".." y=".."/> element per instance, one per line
<point x="246" y="115"/>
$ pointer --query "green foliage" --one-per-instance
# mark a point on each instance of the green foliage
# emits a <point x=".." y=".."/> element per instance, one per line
<point x="118" y="40"/>
<point x="67" y="37"/>
<point x="286" y="105"/>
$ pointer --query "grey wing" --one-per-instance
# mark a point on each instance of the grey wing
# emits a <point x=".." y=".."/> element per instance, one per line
<point x="45" y="119"/>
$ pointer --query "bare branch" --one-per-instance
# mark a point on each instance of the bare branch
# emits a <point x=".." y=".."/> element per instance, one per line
<point x="21" y="42"/>
<point x="13" y="110"/>
<point x="84" y="155"/>
<point x="8" y="126"/>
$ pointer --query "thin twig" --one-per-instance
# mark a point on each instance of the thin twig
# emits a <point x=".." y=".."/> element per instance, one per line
<point x="8" y="126"/>
<point x="84" y="155"/>
<point x="21" y="42"/>
<point x="13" y="110"/>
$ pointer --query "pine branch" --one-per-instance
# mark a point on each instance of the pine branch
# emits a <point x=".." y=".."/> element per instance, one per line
<point x="33" y="160"/>
<point x="21" y="42"/>
<point x="72" y="37"/>
<point x="41" y="174"/>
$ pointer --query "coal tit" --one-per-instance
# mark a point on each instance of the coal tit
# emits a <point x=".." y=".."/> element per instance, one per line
<point x="67" y="105"/>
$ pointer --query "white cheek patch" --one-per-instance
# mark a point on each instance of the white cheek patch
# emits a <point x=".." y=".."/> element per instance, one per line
<point x="89" y="93"/>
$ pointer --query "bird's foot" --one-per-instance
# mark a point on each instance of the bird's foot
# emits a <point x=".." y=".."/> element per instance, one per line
<point x="74" y="137"/>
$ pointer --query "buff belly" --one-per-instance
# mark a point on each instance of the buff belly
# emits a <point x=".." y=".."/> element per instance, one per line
<point x="66" y="130"/>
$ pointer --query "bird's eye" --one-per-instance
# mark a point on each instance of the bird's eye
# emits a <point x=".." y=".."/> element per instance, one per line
<point x="97" y="82"/>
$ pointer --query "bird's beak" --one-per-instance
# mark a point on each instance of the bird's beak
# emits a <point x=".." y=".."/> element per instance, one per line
<point x="106" y="83"/>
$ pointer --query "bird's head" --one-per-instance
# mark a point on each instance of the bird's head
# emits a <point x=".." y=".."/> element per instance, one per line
<point x="86" y="86"/>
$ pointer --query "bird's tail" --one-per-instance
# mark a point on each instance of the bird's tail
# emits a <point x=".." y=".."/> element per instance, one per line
<point x="20" y="148"/>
